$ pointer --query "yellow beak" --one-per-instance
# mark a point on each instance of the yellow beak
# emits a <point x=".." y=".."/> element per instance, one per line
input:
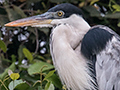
<point x="42" y="19"/>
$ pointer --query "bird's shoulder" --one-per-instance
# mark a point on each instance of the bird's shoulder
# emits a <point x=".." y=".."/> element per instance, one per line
<point x="103" y="43"/>
<point x="95" y="40"/>
<point x="107" y="29"/>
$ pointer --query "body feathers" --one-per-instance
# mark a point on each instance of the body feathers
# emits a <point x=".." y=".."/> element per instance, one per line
<point x="84" y="57"/>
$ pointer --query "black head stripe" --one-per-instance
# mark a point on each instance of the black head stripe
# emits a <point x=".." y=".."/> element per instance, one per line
<point x="67" y="8"/>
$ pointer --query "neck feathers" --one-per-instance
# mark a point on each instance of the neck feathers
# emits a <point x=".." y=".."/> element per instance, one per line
<point x="72" y="69"/>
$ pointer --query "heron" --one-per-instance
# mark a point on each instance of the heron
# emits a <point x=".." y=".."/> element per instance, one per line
<point x="85" y="57"/>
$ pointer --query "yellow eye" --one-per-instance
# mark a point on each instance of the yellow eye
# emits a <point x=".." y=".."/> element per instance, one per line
<point x="60" y="13"/>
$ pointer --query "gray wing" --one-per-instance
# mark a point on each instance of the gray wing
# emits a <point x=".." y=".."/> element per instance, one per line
<point x="101" y="46"/>
<point x="107" y="29"/>
<point x="108" y="64"/>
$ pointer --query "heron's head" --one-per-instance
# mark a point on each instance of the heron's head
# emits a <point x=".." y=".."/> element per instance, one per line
<point x="56" y="13"/>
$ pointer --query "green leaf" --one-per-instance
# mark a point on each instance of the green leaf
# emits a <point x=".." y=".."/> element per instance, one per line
<point x="49" y="74"/>
<point x="116" y="7"/>
<point x="39" y="88"/>
<point x="19" y="11"/>
<point x="20" y="52"/>
<point x="49" y="86"/>
<point x="13" y="58"/>
<point x="14" y="83"/>
<point x="22" y="86"/>
<point x="14" y="13"/>
<point x="56" y="81"/>
<point x="93" y="1"/>
<point x="3" y="20"/>
<point x="41" y="57"/>
<point x="3" y="46"/>
<point x="27" y="54"/>
<point x="14" y="76"/>
<point x="118" y="24"/>
<point x="12" y="67"/>
<point x="36" y="67"/>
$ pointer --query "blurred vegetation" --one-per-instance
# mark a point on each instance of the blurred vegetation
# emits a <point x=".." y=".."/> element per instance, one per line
<point x="25" y="61"/>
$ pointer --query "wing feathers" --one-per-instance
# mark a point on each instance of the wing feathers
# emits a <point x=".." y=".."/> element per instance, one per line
<point x="105" y="44"/>
<point x="110" y="66"/>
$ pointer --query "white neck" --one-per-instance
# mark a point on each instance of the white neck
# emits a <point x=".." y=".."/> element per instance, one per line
<point x="78" y="27"/>
<point x="70" y="64"/>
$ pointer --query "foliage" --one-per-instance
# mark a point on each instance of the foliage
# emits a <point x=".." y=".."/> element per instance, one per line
<point x="3" y="46"/>
<point x="27" y="54"/>
<point x="25" y="61"/>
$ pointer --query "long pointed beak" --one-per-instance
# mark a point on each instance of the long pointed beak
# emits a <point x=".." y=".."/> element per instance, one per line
<point x="43" y="19"/>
